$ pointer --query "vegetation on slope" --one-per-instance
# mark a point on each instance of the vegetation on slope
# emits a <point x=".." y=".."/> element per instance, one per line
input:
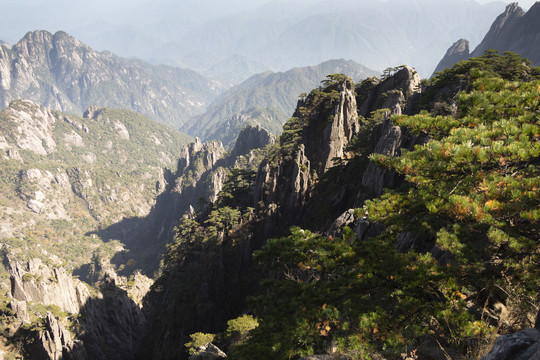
<point x="471" y="194"/>
<point x="97" y="171"/>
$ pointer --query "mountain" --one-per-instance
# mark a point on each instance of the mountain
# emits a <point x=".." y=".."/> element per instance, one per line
<point x="513" y="30"/>
<point x="63" y="74"/>
<point x="266" y="99"/>
<point x="351" y="224"/>
<point x="381" y="199"/>
<point x="62" y="179"/>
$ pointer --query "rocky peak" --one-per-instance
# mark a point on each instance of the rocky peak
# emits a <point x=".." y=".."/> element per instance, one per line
<point x="457" y="52"/>
<point x="501" y="30"/>
<point x="337" y="130"/>
<point x="56" y="343"/>
<point x="62" y="73"/>
<point x="206" y="156"/>
<point x="252" y="137"/>
<point x="392" y="92"/>
<point x="284" y="186"/>
<point x="512" y="12"/>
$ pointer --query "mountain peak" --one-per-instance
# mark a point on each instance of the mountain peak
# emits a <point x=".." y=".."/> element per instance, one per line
<point x="505" y="20"/>
<point x="457" y="52"/>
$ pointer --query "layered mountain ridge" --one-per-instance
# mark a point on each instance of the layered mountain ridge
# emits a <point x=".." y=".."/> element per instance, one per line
<point x="61" y="73"/>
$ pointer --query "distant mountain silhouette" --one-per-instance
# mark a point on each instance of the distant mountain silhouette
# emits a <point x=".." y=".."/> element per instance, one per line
<point x="513" y="30"/>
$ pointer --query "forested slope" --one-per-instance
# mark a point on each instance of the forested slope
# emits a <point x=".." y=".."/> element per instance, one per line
<point x="437" y="247"/>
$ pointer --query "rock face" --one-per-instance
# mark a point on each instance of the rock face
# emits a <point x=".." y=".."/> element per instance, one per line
<point x="112" y="323"/>
<point x="58" y="71"/>
<point x="252" y="137"/>
<point x="208" y="352"/>
<point x="502" y="31"/>
<point x="514" y="30"/>
<point x="37" y="282"/>
<point x="388" y="138"/>
<point x="284" y="188"/>
<point x="523" y="345"/>
<point x="336" y="132"/>
<point x="56" y="343"/>
<point x="457" y="52"/>
<point x="391" y="93"/>
<point x="200" y="175"/>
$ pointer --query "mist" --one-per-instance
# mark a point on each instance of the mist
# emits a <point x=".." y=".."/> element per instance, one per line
<point x="198" y="34"/>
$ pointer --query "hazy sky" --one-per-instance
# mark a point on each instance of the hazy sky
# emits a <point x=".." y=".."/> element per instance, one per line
<point x="154" y="23"/>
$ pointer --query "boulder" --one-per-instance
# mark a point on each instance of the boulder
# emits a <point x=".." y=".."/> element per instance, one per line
<point x="523" y="345"/>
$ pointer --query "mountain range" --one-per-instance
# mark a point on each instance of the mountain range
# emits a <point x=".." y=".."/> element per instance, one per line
<point x="60" y="72"/>
<point x="392" y="218"/>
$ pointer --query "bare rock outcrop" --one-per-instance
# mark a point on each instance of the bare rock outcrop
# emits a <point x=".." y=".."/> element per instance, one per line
<point x="56" y="343"/>
<point x="33" y="125"/>
<point x="337" y="131"/>
<point x="513" y="30"/>
<point x="283" y="188"/>
<point x="40" y="283"/>
<point x="392" y="92"/>
<point x="208" y="352"/>
<point x="501" y="33"/>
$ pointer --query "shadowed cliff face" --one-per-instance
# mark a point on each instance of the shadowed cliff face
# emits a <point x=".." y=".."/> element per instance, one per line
<point x="284" y="188"/>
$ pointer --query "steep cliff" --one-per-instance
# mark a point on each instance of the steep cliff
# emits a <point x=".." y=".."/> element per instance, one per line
<point x="57" y="317"/>
<point x="61" y="73"/>
<point x="37" y="282"/>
